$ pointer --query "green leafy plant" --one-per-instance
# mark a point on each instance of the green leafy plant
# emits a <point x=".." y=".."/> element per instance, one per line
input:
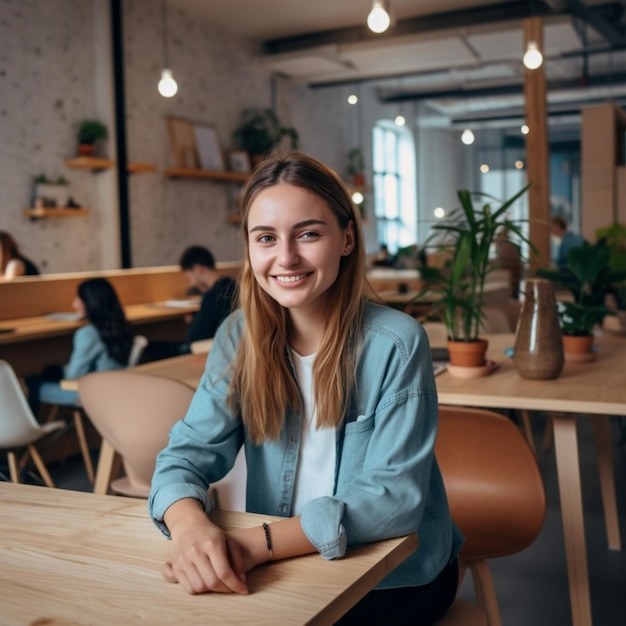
<point x="614" y="236"/>
<point x="356" y="162"/>
<point x="91" y="131"/>
<point x="589" y="278"/>
<point x="468" y="233"/>
<point x="260" y="131"/>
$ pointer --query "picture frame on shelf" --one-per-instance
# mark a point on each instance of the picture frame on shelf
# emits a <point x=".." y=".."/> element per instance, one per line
<point x="210" y="152"/>
<point x="183" y="143"/>
<point x="239" y="161"/>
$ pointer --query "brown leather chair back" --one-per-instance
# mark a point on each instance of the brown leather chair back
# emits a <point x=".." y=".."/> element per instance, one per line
<point x="493" y="483"/>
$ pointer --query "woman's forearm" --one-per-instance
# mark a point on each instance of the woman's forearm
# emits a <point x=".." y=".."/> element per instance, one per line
<point x="286" y="538"/>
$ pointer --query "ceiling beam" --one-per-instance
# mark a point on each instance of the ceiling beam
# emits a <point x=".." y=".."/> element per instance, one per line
<point x="425" y="24"/>
<point x="499" y="89"/>
<point x="594" y="18"/>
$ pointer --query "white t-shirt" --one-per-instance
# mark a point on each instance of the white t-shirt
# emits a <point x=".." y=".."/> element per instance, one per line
<point x="315" y="474"/>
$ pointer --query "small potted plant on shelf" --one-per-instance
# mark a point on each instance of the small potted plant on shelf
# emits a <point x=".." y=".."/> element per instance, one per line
<point x="468" y="234"/>
<point x="89" y="133"/>
<point x="356" y="167"/>
<point x="49" y="192"/>
<point x="588" y="278"/>
<point x="260" y="131"/>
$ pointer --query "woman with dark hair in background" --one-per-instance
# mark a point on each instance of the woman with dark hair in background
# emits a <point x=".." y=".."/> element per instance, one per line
<point x="103" y="344"/>
<point x="12" y="262"/>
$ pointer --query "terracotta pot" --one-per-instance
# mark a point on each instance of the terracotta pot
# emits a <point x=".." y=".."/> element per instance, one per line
<point x="358" y="180"/>
<point x="85" y="149"/>
<point x="538" y="351"/>
<point x="578" y="345"/>
<point x="468" y="353"/>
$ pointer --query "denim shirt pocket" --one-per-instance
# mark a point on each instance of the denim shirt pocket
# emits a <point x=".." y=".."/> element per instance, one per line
<point x="356" y="438"/>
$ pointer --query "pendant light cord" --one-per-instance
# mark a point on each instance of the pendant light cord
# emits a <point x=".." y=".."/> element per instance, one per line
<point x="166" y="59"/>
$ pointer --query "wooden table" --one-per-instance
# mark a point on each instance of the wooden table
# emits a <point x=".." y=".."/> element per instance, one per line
<point x="29" y="328"/>
<point x="76" y="558"/>
<point x="596" y="390"/>
<point x="35" y="342"/>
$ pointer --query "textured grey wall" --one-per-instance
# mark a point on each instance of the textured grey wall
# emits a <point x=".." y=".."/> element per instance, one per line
<point x="48" y="83"/>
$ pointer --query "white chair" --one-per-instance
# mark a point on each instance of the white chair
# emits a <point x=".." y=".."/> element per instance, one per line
<point x="139" y="345"/>
<point x="19" y="427"/>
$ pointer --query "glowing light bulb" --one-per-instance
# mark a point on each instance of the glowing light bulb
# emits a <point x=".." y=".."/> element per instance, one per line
<point x="519" y="164"/>
<point x="400" y="120"/>
<point x="378" y="20"/>
<point x="525" y="130"/>
<point x="532" y="57"/>
<point x="357" y="197"/>
<point x="484" y="168"/>
<point x="167" y="85"/>
<point x="467" y="137"/>
<point x="439" y="212"/>
<point x="352" y="99"/>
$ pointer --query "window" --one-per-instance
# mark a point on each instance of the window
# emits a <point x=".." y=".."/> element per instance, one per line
<point x="394" y="185"/>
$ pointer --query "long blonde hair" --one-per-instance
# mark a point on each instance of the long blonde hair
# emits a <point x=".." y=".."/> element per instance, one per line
<point x="263" y="388"/>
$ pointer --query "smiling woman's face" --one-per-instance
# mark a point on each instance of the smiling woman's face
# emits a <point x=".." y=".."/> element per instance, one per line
<point x="295" y="246"/>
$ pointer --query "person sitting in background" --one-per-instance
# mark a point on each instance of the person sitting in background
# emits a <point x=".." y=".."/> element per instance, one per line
<point x="12" y="262"/>
<point x="567" y="241"/>
<point x="217" y="293"/>
<point x="103" y="344"/>
<point x="383" y="258"/>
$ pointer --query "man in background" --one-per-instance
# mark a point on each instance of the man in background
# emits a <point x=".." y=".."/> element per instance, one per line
<point x="567" y="241"/>
<point x="217" y="293"/>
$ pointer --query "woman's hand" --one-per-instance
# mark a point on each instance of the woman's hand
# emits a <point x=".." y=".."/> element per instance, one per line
<point x="205" y="557"/>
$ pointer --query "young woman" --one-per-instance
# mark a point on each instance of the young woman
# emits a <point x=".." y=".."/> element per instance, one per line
<point x="333" y="398"/>
<point x="12" y="262"/>
<point x="103" y="344"/>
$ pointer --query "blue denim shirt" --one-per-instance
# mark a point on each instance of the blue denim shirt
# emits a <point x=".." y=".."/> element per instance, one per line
<point x="387" y="482"/>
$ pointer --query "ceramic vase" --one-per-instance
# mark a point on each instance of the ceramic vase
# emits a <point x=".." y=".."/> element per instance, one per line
<point x="538" y="351"/>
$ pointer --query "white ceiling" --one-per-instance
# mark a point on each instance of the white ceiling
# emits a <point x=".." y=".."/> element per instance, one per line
<point x="460" y="66"/>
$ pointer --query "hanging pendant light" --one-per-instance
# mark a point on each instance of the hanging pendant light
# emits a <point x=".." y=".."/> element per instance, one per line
<point x="167" y="85"/>
<point x="532" y="57"/>
<point x="468" y="137"/>
<point x="378" y="20"/>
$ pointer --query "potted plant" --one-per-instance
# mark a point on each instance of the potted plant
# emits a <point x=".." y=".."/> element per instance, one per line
<point x="589" y="279"/>
<point x="468" y="234"/>
<point x="614" y="236"/>
<point x="356" y="167"/>
<point x="89" y="133"/>
<point x="260" y="132"/>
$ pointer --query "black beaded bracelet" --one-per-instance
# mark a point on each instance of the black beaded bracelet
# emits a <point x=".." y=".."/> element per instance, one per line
<point x="268" y="539"/>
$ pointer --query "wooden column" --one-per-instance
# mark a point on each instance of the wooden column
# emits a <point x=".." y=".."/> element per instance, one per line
<point x="537" y="153"/>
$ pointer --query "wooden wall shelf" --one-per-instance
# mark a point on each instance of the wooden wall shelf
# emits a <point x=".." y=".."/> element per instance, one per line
<point x="90" y="163"/>
<point x="138" y="168"/>
<point x="218" y="175"/>
<point x="37" y="214"/>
